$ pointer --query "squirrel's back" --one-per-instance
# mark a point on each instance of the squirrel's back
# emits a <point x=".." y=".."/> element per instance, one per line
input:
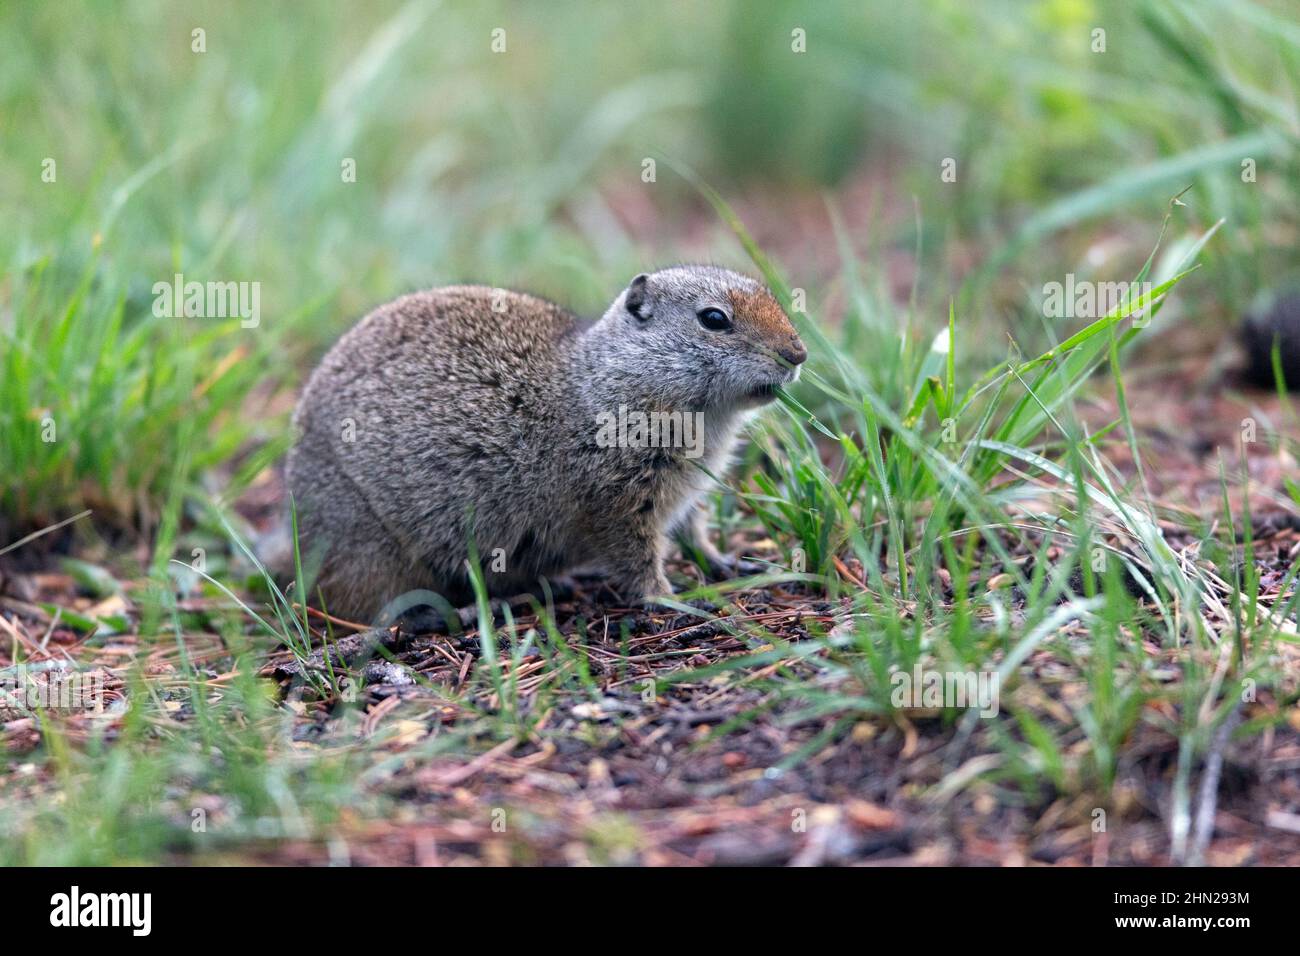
<point x="471" y="336"/>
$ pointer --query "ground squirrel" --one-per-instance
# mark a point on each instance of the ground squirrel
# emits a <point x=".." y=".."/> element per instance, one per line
<point x="476" y="414"/>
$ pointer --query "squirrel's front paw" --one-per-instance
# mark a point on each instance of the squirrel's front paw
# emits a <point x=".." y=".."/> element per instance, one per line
<point x="646" y="590"/>
<point x="726" y="566"/>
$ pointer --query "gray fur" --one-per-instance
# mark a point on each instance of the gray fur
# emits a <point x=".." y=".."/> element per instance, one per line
<point x="479" y="424"/>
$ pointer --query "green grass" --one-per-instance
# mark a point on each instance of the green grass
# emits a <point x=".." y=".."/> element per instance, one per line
<point x="84" y="391"/>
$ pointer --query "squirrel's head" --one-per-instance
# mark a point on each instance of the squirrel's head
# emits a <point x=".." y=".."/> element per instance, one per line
<point x="707" y="336"/>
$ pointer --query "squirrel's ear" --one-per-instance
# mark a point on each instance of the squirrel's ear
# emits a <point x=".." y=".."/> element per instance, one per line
<point x="638" y="293"/>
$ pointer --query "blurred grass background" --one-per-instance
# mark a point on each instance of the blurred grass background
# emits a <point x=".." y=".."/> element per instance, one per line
<point x="524" y="168"/>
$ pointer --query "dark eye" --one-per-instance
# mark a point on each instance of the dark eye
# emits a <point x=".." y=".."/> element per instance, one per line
<point x="715" y="320"/>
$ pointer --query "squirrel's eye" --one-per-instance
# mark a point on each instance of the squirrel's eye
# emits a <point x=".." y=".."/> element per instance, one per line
<point x="715" y="320"/>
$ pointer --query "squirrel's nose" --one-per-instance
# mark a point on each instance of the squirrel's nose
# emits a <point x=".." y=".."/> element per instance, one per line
<point x="794" y="353"/>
